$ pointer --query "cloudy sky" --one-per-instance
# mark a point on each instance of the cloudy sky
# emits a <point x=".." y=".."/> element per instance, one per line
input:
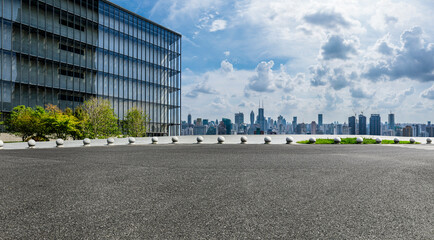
<point x="302" y="57"/>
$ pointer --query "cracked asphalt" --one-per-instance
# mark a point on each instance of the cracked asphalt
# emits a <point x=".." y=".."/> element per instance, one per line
<point x="217" y="192"/>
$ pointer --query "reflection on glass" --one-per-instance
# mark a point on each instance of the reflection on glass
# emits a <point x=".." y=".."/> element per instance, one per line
<point x="63" y="52"/>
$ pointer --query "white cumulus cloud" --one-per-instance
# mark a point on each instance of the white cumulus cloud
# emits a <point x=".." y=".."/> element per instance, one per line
<point x="218" y="25"/>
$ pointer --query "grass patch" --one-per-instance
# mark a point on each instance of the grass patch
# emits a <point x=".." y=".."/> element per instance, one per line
<point x="353" y="141"/>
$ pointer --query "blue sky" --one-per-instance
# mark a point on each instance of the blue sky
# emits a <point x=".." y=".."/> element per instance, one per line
<point x="302" y="57"/>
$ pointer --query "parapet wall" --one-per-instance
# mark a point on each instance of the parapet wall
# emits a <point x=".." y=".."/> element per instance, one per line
<point x="206" y="139"/>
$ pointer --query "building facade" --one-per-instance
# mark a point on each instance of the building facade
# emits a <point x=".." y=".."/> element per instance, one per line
<point x="63" y="52"/>
<point x="407" y="131"/>
<point x="352" y="125"/>
<point x="430" y="130"/>
<point x="320" y="120"/>
<point x="239" y="118"/>
<point x="391" y="121"/>
<point x="313" y="127"/>
<point x="375" y="124"/>
<point x="362" y="125"/>
<point x="261" y="119"/>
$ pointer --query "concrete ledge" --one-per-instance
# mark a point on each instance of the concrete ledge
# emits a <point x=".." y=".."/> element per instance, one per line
<point x="207" y="139"/>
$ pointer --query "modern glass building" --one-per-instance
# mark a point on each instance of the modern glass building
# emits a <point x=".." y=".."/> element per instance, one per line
<point x="65" y="51"/>
<point x="375" y="124"/>
<point x="362" y="125"/>
<point x="352" y="125"/>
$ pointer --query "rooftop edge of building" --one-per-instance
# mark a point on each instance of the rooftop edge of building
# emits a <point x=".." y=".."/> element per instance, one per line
<point x="141" y="17"/>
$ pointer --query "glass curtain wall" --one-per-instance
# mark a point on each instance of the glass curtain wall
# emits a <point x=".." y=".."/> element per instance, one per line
<point x="66" y="51"/>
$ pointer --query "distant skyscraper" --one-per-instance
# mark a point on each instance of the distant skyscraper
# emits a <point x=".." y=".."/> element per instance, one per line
<point x="391" y="121"/>
<point x="362" y="125"/>
<point x="429" y="123"/>
<point x="239" y="118"/>
<point x="189" y="120"/>
<point x="313" y="128"/>
<point x="199" y="122"/>
<point x="301" y="128"/>
<point x="339" y="129"/>
<point x="279" y="120"/>
<point x="281" y="124"/>
<point x="430" y="130"/>
<point x="228" y="124"/>
<point x="375" y="124"/>
<point x="417" y="130"/>
<point x="294" y="124"/>
<point x="199" y="129"/>
<point x="352" y="125"/>
<point x="205" y="122"/>
<point x="407" y="131"/>
<point x="252" y="118"/>
<point x="261" y="119"/>
<point x="320" y="120"/>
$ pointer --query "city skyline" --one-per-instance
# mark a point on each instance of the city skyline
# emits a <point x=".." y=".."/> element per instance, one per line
<point x="300" y="118"/>
<point x="304" y="57"/>
<point x="357" y="124"/>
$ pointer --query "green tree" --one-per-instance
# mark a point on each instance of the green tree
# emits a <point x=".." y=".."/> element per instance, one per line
<point x="27" y="122"/>
<point x="60" y="124"/>
<point x="20" y="122"/>
<point x="82" y="118"/>
<point x="100" y="119"/>
<point x="40" y="127"/>
<point x="135" y="123"/>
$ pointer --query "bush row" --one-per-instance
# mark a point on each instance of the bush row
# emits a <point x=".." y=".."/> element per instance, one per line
<point x="95" y="118"/>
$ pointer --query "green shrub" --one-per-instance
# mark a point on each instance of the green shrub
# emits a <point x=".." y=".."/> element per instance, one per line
<point x="99" y="119"/>
<point x="39" y="123"/>
<point x="135" y="123"/>
<point x="61" y="124"/>
<point x="21" y="122"/>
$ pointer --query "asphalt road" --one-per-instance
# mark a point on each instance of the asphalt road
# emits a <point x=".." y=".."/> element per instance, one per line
<point x="217" y="192"/>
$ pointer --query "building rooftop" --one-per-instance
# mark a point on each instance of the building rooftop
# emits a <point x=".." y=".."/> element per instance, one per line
<point x="141" y="17"/>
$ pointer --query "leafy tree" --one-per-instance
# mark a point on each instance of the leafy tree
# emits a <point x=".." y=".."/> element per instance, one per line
<point x="20" y="122"/>
<point x="135" y="123"/>
<point x="59" y="123"/>
<point x="81" y="117"/>
<point x="100" y="119"/>
<point x="40" y="127"/>
<point x="68" y="111"/>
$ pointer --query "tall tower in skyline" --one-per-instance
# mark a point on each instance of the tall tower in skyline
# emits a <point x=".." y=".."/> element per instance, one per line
<point x="375" y="124"/>
<point x="313" y="127"/>
<point x="239" y="118"/>
<point x="391" y="121"/>
<point x="362" y="125"/>
<point x="252" y="118"/>
<point x="294" y="124"/>
<point x="261" y="117"/>
<point x="189" y="120"/>
<point x="228" y="125"/>
<point x="352" y="125"/>
<point x="320" y="120"/>
<point x="407" y="131"/>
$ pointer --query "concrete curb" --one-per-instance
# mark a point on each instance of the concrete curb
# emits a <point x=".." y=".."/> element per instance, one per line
<point x="207" y="139"/>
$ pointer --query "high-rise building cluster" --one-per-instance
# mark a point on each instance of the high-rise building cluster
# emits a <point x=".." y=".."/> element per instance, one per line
<point x="357" y="125"/>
